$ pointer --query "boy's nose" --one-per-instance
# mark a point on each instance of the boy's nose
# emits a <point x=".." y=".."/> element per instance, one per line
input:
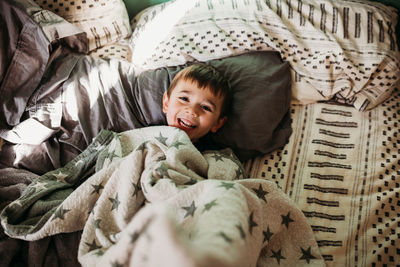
<point x="191" y="110"/>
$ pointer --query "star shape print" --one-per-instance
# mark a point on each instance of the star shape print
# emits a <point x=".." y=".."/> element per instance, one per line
<point x="307" y="255"/>
<point x="60" y="212"/>
<point x="115" y="202"/>
<point x="163" y="170"/>
<point x="239" y="173"/>
<point x="260" y="193"/>
<point x="39" y="186"/>
<point x="209" y="205"/>
<point x="97" y="188"/>
<point x="267" y="234"/>
<point x="241" y="231"/>
<point x="162" y="139"/>
<point x="227" y="186"/>
<point x="134" y="236"/>
<point x="176" y="144"/>
<point x="142" y="147"/>
<point x="286" y="220"/>
<point x="277" y="255"/>
<point x="217" y="157"/>
<point x="137" y="188"/>
<point x="225" y="237"/>
<point x="190" y="210"/>
<point x="252" y="223"/>
<point x="96" y="223"/>
<point x="61" y="176"/>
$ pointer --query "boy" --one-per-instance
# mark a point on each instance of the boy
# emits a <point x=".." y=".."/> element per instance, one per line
<point x="197" y="101"/>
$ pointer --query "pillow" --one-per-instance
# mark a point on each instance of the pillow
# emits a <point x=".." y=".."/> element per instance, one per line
<point x="135" y="6"/>
<point x="104" y="21"/>
<point x="259" y="121"/>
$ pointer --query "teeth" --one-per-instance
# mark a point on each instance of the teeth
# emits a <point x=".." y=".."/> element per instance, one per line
<point x="186" y="124"/>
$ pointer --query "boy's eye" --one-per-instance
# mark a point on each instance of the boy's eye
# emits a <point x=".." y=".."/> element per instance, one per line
<point x="206" y="108"/>
<point x="184" y="98"/>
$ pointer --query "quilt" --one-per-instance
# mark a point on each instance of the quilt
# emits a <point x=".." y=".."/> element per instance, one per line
<point x="344" y="50"/>
<point x="148" y="197"/>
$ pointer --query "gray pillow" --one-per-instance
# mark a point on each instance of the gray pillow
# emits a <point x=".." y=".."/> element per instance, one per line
<point x="259" y="121"/>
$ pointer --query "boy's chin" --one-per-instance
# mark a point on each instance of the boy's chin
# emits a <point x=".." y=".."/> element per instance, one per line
<point x="189" y="132"/>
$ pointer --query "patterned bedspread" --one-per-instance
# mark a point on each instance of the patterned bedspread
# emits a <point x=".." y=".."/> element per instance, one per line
<point x="148" y="197"/>
<point x="342" y="168"/>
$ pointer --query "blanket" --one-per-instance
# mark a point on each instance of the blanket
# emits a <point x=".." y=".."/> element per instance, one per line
<point x="56" y="251"/>
<point x="148" y="197"/>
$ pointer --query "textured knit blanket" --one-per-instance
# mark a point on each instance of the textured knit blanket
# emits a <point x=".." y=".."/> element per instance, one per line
<point x="148" y="197"/>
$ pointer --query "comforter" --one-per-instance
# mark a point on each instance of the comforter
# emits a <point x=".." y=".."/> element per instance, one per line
<point x="148" y="197"/>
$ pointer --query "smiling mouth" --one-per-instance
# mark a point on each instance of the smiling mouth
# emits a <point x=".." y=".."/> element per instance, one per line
<point x="186" y="124"/>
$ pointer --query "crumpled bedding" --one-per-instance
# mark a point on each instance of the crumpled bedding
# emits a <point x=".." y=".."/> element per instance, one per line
<point x="148" y="197"/>
<point x="78" y="95"/>
<point x="56" y="250"/>
<point x="341" y="50"/>
<point x="48" y="113"/>
<point x="33" y="37"/>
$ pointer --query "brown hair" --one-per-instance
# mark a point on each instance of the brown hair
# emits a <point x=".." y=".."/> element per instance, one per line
<point x="206" y="77"/>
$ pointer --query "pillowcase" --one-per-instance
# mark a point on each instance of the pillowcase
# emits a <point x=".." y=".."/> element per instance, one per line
<point x="135" y="6"/>
<point x="259" y="121"/>
<point x="104" y="21"/>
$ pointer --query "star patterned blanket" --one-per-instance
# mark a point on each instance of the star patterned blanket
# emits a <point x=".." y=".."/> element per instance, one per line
<point x="148" y="197"/>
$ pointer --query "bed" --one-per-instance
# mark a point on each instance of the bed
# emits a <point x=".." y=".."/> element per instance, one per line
<point x="310" y="173"/>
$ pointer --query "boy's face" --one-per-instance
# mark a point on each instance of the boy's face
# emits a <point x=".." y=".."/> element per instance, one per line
<point x="192" y="109"/>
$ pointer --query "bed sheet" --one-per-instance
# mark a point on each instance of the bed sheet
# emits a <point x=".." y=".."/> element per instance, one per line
<point x="342" y="168"/>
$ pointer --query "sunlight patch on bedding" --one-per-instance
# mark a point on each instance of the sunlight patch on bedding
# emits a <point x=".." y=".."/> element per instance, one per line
<point x="23" y="134"/>
<point x="158" y="29"/>
<point x="91" y="81"/>
<point x="101" y="80"/>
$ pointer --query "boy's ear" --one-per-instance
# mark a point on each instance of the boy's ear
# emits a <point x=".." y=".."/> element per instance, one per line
<point x="165" y="102"/>
<point x="219" y="124"/>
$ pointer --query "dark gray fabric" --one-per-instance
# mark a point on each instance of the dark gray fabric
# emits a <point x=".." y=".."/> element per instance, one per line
<point x="17" y="50"/>
<point x="58" y="250"/>
<point x="259" y="121"/>
<point x="32" y="72"/>
<point x="25" y="53"/>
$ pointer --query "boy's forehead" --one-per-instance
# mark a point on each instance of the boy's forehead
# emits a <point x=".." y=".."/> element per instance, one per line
<point x="195" y="85"/>
<point x="191" y="87"/>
